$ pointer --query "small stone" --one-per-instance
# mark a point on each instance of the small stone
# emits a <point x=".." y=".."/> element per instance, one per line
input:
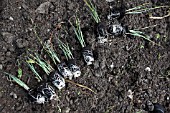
<point x="12" y="49"/>
<point x="21" y="43"/>
<point x="148" y="69"/>
<point x="67" y="110"/>
<point x="2" y="58"/>
<point x="13" y="95"/>
<point x="1" y="66"/>
<point x="4" y="48"/>
<point x="71" y="6"/>
<point x="8" y="37"/>
<point x="112" y="66"/>
<point x="130" y="94"/>
<point x="8" y="53"/>
<point x="43" y="8"/>
<point x="98" y="73"/>
<point x="11" y="18"/>
<point x="96" y="64"/>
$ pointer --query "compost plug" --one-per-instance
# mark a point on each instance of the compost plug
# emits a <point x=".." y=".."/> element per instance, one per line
<point x="57" y="80"/>
<point x="101" y="33"/>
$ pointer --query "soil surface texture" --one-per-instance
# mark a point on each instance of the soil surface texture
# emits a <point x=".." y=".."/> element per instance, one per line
<point x="128" y="73"/>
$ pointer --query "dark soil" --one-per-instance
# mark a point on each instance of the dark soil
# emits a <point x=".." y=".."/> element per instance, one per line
<point x="119" y="76"/>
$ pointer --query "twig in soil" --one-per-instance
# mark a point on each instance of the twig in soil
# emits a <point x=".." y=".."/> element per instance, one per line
<point x="159" y="18"/>
<point x="80" y="86"/>
<point x="93" y="10"/>
<point x="142" y="8"/>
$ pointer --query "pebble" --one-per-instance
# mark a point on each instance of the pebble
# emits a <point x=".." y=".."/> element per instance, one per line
<point x="8" y="37"/>
<point x="21" y="43"/>
<point x="11" y="18"/>
<point x="130" y="94"/>
<point x="148" y="69"/>
<point x="1" y="66"/>
<point x="8" y="53"/>
<point x="43" y="8"/>
<point x="67" y="110"/>
<point x="2" y="58"/>
<point x="112" y="66"/>
<point x="13" y="95"/>
<point x="71" y="6"/>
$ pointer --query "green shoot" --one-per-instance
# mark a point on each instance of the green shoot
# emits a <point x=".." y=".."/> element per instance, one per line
<point x="42" y="63"/>
<point x="31" y="66"/>
<point x="18" y="81"/>
<point x="142" y="8"/>
<point x="19" y="70"/>
<point x="93" y="10"/>
<point x="142" y="35"/>
<point x="65" y="48"/>
<point x="78" y="32"/>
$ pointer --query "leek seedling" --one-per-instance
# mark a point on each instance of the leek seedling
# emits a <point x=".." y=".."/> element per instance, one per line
<point x="34" y="96"/>
<point x="141" y="34"/>
<point x="93" y="10"/>
<point x="70" y="59"/>
<point x="59" y="81"/>
<point x="62" y="67"/>
<point x="87" y="52"/>
<point x="101" y="28"/>
<point x="119" y="13"/>
<point x="78" y="32"/>
<point x="41" y="62"/>
<point x="118" y="30"/>
<point x="31" y="66"/>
